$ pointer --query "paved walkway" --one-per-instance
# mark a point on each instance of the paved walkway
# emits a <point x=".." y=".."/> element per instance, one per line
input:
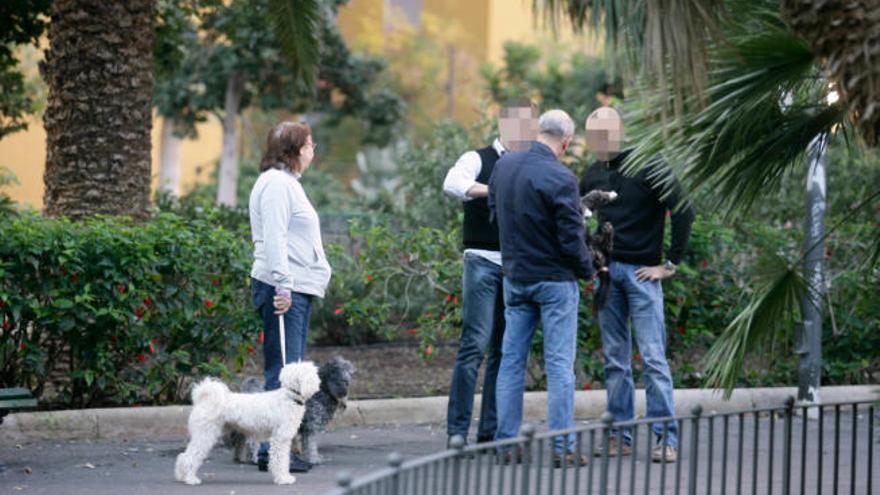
<point x="146" y="467"/>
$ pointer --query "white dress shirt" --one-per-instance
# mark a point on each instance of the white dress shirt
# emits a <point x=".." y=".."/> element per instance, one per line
<point x="461" y="178"/>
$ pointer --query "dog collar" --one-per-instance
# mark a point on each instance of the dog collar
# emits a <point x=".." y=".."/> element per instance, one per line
<point x="296" y="397"/>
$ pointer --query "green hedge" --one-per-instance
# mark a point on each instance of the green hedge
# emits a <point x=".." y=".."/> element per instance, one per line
<point x="111" y="311"/>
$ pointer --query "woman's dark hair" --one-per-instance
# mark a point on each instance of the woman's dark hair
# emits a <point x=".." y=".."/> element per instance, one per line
<point x="283" y="145"/>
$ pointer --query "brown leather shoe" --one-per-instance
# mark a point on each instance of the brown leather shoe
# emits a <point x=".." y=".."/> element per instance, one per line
<point x="615" y="448"/>
<point x="509" y="457"/>
<point x="571" y="460"/>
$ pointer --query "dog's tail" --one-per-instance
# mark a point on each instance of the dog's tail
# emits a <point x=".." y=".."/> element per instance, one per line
<point x="209" y="389"/>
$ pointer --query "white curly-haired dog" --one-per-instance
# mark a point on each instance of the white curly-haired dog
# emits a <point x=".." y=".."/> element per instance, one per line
<point x="273" y="416"/>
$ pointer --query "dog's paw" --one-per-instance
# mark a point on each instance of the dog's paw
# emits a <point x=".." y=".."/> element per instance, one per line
<point x="192" y="480"/>
<point x="287" y="479"/>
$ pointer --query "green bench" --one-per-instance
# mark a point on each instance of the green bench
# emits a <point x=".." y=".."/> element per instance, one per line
<point x="12" y="399"/>
<point x="15" y="398"/>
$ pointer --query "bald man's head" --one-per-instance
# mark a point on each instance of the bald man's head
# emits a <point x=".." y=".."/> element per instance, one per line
<point x="605" y="133"/>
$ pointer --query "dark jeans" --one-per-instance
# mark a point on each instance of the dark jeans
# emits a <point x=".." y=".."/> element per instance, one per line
<point x="482" y="316"/>
<point x="296" y="328"/>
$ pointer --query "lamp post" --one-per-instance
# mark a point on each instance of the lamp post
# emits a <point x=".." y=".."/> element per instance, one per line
<point x="809" y="346"/>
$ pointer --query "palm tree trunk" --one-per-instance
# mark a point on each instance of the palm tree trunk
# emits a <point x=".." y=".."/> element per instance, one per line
<point x="227" y="178"/>
<point x="169" y="158"/>
<point x="99" y="69"/>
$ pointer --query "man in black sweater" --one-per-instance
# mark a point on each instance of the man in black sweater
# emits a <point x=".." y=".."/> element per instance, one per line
<point x="637" y="269"/>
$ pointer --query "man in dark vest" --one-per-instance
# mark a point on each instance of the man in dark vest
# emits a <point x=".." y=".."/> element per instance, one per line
<point x="482" y="296"/>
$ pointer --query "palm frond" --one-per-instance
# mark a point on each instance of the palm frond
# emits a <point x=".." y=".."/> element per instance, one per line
<point x="297" y="25"/>
<point x="765" y="107"/>
<point x="663" y="40"/>
<point x="769" y="316"/>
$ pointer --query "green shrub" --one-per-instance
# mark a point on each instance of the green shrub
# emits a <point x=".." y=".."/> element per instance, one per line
<point x="125" y="311"/>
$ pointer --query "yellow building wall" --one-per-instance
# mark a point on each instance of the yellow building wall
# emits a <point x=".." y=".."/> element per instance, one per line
<point x="512" y="20"/>
<point x="488" y="24"/>
<point x="24" y="153"/>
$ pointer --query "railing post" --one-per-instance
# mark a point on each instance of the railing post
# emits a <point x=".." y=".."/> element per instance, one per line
<point x="607" y="419"/>
<point x="786" y="449"/>
<point x="695" y="445"/>
<point x="456" y="443"/>
<point x="394" y="461"/>
<point x="528" y="431"/>
<point x="343" y="479"/>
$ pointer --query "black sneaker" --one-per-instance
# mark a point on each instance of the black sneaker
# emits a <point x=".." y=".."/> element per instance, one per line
<point x="297" y="465"/>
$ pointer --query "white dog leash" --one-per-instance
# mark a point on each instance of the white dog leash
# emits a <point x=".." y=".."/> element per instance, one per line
<point x="282" y="332"/>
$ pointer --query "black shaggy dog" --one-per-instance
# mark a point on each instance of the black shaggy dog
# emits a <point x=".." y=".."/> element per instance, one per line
<point x="335" y="377"/>
<point x="601" y="243"/>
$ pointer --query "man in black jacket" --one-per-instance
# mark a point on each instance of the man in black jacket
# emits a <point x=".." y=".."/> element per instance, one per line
<point x="535" y="200"/>
<point x="637" y="269"/>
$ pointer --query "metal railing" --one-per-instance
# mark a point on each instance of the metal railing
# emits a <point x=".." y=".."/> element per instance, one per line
<point x="826" y="448"/>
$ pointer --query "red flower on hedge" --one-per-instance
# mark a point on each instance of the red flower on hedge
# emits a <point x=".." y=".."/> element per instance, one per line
<point x="429" y="351"/>
<point x="369" y="278"/>
<point x="152" y="348"/>
<point x="455" y="300"/>
<point x="339" y="311"/>
<point x="215" y="282"/>
<point x="148" y="301"/>
<point x="7" y="324"/>
<point x="827" y="252"/>
<point x="139" y="311"/>
<point x="704" y="264"/>
<point x="121" y="289"/>
<point x="679" y="300"/>
<point x="411" y="331"/>
<point x="681" y="330"/>
<point x="22" y="347"/>
<point x="589" y="287"/>
<point x="448" y="298"/>
<point x="209" y="304"/>
<point x="251" y="349"/>
<point x="262" y="337"/>
<point x="588" y="386"/>
<point x="637" y="357"/>
<point x="141" y="357"/>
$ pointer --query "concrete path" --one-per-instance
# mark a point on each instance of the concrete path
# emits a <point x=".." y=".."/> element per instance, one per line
<point x="98" y="467"/>
<point x="113" y="467"/>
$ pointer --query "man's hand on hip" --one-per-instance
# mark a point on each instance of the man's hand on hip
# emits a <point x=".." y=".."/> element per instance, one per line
<point x="652" y="273"/>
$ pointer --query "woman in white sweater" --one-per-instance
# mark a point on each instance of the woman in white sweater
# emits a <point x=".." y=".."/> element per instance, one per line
<point x="290" y="267"/>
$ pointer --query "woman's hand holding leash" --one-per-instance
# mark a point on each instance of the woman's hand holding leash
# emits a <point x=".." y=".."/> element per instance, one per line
<point x="282" y="301"/>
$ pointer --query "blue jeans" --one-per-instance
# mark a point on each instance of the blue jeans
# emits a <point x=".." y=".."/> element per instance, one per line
<point x="556" y="304"/>
<point x="482" y="316"/>
<point x="296" y="329"/>
<point x="643" y="303"/>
